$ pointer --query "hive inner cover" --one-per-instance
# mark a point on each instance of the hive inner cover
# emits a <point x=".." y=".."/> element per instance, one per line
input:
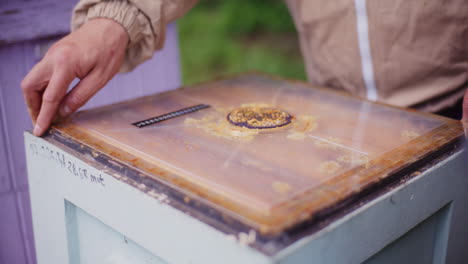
<point x="333" y="146"/>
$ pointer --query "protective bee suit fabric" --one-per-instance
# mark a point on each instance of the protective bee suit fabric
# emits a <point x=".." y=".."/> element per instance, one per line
<point x="404" y="53"/>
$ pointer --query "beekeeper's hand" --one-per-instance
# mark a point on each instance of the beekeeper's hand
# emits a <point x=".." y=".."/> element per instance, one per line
<point x="93" y="53"/>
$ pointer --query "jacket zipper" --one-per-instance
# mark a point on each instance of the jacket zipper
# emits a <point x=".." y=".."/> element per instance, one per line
<point x="365" y="49"/>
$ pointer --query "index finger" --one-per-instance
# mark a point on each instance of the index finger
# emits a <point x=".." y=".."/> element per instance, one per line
<point x="33" y="85"/>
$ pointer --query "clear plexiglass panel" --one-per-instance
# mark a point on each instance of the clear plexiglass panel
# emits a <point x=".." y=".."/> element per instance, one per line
<point x="328" y="147"/>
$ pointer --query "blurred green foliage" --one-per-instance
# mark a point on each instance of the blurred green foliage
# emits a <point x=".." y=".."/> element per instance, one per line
<point x="223" y="37"/>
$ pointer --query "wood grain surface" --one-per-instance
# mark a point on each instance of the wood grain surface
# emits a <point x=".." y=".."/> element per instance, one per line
<point x="270" y="179"/>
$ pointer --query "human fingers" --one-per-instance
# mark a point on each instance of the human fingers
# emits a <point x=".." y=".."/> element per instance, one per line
<point x="53" y="95"/>
<point x="81" y="93"/>
<point x="32" y="87"/>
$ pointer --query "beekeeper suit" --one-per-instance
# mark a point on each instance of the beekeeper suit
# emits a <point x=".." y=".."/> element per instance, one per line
<point x="404" y="53"/>
<point x="399" y="52"/>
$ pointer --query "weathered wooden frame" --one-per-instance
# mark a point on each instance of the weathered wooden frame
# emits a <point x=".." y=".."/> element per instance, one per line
<point x="150" y="219"/>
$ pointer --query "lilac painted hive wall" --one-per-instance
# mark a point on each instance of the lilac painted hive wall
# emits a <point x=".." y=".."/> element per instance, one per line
<point x="21" y="46"/>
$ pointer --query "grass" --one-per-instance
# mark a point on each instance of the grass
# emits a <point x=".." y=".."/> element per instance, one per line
<point x="224" y="37"/>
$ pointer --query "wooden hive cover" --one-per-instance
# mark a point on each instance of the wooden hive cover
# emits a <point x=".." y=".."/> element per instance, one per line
<point x="271" y="178"/>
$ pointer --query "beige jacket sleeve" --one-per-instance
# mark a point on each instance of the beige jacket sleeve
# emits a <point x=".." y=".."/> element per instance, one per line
<point x="144" y="20"/>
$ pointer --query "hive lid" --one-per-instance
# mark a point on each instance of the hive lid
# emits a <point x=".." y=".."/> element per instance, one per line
<point x="270" y="153"/>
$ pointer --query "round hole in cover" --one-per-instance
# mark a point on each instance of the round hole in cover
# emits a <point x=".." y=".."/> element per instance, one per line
<point x="259" y="117"/>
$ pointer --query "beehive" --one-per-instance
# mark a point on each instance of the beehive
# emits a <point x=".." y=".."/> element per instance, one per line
<point x="327" y="147"/>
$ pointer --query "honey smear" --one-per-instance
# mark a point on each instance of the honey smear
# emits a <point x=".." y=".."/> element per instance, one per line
<point x="330" y="167"/>
<point x="281" y="187"/>
<point x="302" y="125"/>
